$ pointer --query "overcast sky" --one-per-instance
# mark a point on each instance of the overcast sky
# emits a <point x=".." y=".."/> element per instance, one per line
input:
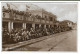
<point x="63" y="11"/>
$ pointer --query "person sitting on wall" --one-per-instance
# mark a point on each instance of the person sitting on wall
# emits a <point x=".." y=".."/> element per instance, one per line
<point x="32" y="32"/>
<point x="23" y="35"/>
<point x="27" y="35"/>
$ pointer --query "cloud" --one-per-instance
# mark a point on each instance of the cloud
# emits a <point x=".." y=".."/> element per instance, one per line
<point x="72" y="16"/>
<point x="22" y="8"/>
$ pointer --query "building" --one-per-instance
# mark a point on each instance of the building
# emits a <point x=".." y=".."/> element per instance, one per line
<point x="14" y="19"/>
<point x="68" y="23"/>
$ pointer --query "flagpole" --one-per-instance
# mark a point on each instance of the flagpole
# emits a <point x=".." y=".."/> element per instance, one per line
<point x="42" y="13"/>
<point x="8" y="5"/>
<point x="27" y="8"/>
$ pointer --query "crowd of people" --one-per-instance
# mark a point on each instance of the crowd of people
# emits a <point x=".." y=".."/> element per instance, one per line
<point x="18" y="35"/>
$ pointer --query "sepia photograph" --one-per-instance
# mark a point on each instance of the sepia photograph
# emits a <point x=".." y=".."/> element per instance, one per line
<point x="39" y="26"/>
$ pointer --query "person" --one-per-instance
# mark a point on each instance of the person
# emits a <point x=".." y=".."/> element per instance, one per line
<point x="17" y="37"/>
<point x="32" y="31"/>
<point x="24" y="35"/>
<point x="6" y="36"/>
<point x="27" y="35"/>
<point x="20" y="34"/>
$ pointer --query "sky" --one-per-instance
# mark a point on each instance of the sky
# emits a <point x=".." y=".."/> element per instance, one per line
<point x="63" y="11"/>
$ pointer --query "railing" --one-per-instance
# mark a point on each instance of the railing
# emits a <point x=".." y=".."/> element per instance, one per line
<point x="29" y="19"/>
<point x="24" y="18"/>
<point x="37" y="20"/>
<point x="42" y="21"/>
<point x="18" y="17"/>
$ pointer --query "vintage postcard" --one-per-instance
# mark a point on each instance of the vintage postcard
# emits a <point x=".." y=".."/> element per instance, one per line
<point x="39" y="26"/>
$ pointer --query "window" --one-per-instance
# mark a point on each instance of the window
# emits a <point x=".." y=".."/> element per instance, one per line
<point x="51" y="19"/>
<point x="3" y="14"/>
<point x="45" y="16"/>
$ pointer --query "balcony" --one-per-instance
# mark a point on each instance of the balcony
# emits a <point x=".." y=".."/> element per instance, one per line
<point x="42" y="21"/>
<point x="51" y="22"/>
<point x="29" y="19"/>
<point x="37" y="20"/>
<point x="18" y="17"/>
<point x="5" y="15"/>
<point x="47" y="21"/>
